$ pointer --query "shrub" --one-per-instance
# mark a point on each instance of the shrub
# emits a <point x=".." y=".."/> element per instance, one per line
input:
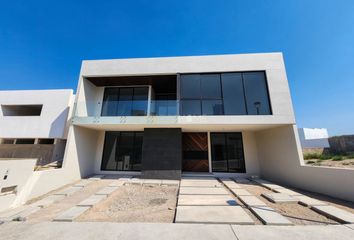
<point x="310" y="162"/>
<point x="325" y="157"/>
<point x="311" y="156"/>
<point x="338" y="158"/>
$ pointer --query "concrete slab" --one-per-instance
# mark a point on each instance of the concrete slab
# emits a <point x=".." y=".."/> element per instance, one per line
<point x="117" y="183"/>
<point x="83" y="183"/>
<point x="152" y="181"/>
<point x="313" y="232"/>
<point x="241" y="192"/>
<point x="92" y="200"/>
<point x="231" y="184"/>
<point x="137" y="181"/>
<point x="70" y="214"/>
<point x="200" y="184"/>
<point x="267" y="184"/>
<point x="96" y="177"/>
<point x="308" y="201"/>
<point x="206" y="200"/>
<point x="280" y="198"/>
<point x="114" y="231"/>
<point x="106" y="191"/>
<point x="48" y="200"/>
<point x="212" y="214"/>
<point x="252" y="201"/>
<point x="269" y="216"/>
<point x="351" y="226"/>
<point x="6" y="215"/>
<point x="169" y="182"/>
<point x="335" y="213"/>
<point x="242" y="180"/>
<point x="68" y="191"/>
<point x="288" y="192"/>
<point x="202" y="191"/>
<point x="25" y="212"/>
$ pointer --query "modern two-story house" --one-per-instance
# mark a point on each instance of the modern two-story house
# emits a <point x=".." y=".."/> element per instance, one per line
<point x="163" y="117"/>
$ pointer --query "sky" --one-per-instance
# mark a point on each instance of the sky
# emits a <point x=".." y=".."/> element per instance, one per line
<point x="42" y="43"/>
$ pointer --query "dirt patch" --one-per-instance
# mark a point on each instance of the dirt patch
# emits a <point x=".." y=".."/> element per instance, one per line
<point x="296" y="213"/>
<point x="136" y="203"/>
<point x="346" y="163"/>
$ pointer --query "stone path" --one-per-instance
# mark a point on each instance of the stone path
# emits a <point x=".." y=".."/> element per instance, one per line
<point x="152" y="231"/>
<point x="280" y="198"/>
<point x="266" y="214"/>
<point x="335" y="213"/>
<point x="205" y="200"/>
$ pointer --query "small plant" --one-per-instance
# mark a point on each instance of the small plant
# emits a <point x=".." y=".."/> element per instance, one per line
<point x="338" y="158"/>
<point x="325" y="157"/>
<point x="310" y="162"/>
<point x="311" y="156"/>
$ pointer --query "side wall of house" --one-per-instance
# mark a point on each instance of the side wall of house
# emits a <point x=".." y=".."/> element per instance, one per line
<point x="279" y="153"/>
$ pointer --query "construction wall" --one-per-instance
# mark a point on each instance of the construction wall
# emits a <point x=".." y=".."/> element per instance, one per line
<point x="281" y="161"/>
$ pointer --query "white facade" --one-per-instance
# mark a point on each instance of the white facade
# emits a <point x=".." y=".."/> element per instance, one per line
<point x="52" y="121"/>
<point x="313" y="137"/>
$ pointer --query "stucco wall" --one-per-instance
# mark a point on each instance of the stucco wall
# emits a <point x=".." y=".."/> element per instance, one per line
<point x="18" y="172"/>
<point x="50" y="124"/>
<point x="279" y="153"/>
<point x="250" y="153"/>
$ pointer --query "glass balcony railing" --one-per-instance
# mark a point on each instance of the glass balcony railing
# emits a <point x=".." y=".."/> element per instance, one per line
<point x="126" y="108"/>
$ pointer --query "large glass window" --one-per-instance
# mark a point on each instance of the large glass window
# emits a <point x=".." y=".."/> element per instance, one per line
<point x="201" y="94"/>
<point x="225" y="94"/>
<point x="125" y="101"/>
<point x="234" y="98"/>
<point x="227" y="152"/>
<point x="122" y="151"/>
<point x="256" y="92"/>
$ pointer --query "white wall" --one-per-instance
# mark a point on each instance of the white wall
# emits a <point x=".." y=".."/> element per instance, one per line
<point x="281" y="161"/>
<point x="18" y="172"/>
<point x="313" y="137"/>
<point x="250" y="153"/>
<point x="50" y="124"/>
<point x="271" y="63"/>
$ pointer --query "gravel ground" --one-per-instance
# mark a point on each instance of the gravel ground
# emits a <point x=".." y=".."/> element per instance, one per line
<point x="296" y="213"/>
<point x="136" y="203"/>
<point x="347" y="163"/>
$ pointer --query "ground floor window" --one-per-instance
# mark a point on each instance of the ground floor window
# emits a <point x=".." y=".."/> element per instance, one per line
<point x="122" y="151"/>
<point x="227" y="152"/>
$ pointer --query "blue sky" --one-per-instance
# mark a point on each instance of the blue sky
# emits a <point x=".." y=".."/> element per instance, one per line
<point x="42" y="43"/>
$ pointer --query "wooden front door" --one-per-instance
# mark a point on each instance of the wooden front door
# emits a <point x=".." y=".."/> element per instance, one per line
<point x="195" y="152"/>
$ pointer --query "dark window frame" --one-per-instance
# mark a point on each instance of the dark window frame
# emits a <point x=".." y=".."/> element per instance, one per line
<point x="222" y="94"/>
<point x="102" y="168"/>
<point x="243" y="168"/>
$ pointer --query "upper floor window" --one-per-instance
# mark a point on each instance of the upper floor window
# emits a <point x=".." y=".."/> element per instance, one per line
<point x="224" y="94"/>
<point x="125" y="101"/>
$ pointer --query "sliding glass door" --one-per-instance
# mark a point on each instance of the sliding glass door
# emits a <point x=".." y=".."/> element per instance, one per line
<point x="122" y="151"/>
<point x="227" y="152"/>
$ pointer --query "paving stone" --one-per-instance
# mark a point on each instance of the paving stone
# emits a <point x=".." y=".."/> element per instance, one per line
<point x="68" y="191"/>
<point x="200" y="184"/>
<point x="335" y="213"/>
<point x="267" y="184"/>
<point x="241" y="192"/>
<point x="82" y="183"/>
<point x="350" y="226"/>
<point x="309" y="232"/>
<point x="97" y="177"/>
<point x="206" y="200"/>
<point x="287" y="191"/>
<point x="170" y="182"/>
<point x="106" y="191"/>
<point x="231" y="184"/>
<point x="137" y="181"/>
<point x="308" y="201"/>
<point x="202" y="191"/>
<point x="70" y="214"/>
<point x="21" y="213"/>
<point x="116" y="183"/>
<point x="280" y="198"/>
<point x="212" y="214"/>
<point x="152" y="182"/>
<point x="252" y="201"/>
<point x="92" y="200"/>
<point x="6" y="215"/>
<point x="269" y="216"/>
<point x="125" y="178"/>
<point x="48" y="200"/>
<point x="242" y="180"/>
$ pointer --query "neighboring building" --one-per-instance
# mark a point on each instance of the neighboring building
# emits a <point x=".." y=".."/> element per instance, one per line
<point x="165" y="116"/>
<point x="313" y="139"/>
<point x="33" y="131"/>
<point x="34" y="124"/>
